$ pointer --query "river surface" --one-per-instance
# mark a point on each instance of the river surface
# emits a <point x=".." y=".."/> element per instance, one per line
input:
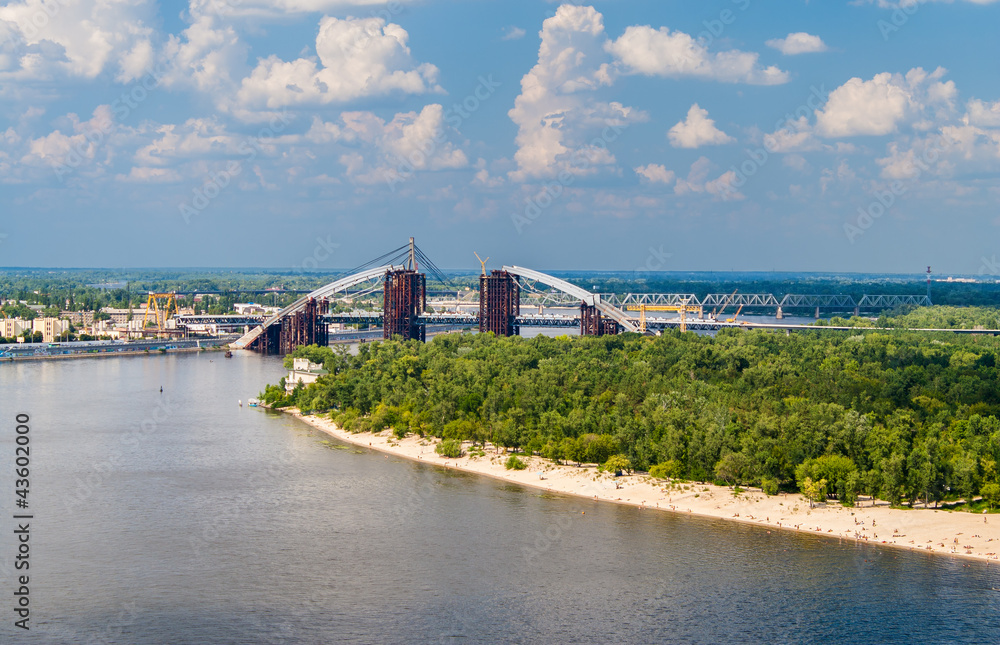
<point x="183" y="518"/>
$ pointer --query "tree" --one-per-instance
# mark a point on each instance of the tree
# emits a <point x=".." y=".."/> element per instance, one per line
<point x="597" y="448"/>
<point x="617" y="464"/>
<point x="733" y="468"/>
<point x="991" y="493"/>
<point x="814" y="491"/>
<point x="669" y="469"/>
<point x="572" y="450"/>
<point x="838" y="470"/>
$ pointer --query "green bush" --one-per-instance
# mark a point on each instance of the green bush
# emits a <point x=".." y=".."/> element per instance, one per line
<point x="513" y="463"/>
<point x="769" y="486"/>
<point x="450" y="448"/>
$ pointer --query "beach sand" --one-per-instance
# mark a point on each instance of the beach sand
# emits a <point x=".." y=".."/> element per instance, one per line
<point x="929" y="530"/>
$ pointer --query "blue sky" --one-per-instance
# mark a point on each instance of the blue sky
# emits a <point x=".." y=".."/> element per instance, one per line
<point x="626" y="134"/>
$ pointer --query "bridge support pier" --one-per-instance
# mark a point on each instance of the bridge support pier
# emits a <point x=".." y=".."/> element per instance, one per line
<point x="817" y="313"/>
<point x="779" y="315"/>
<point x="499" y="303"/>
<point x="593" y="324"/>
<point x="404" y="299"/>
<point x="305" y="327"/>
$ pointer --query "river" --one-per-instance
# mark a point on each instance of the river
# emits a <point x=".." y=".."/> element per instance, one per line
<point x="180" y="517"/>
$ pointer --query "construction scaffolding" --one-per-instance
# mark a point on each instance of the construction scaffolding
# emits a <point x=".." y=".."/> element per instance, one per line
<point x="404" y="299"/>
<point x="499" y="303"/>
<point x="593" y="324"/>
<point x="304" y="327"/>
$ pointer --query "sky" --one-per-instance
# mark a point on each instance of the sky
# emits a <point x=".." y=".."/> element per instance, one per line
<point x="627" y="135"/>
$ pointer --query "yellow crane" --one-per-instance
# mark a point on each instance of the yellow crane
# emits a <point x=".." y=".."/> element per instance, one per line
<point x="725" y="304"/>
<point x="683" y="309"/>
<point x="735" y="316"/>
<point x="482" y="262"/>
<point x="160" y="315"/>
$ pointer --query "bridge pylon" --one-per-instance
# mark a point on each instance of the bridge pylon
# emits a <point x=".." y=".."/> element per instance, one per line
<point x="499" y="303"/>
<point x="593" y="324"/>
<point x="404" y="299"/>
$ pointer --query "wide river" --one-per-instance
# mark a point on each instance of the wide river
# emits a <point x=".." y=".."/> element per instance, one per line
<point x="183" y="518"/>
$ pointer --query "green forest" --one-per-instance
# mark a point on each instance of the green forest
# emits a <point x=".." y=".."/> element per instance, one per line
<point x="901" y="416"/>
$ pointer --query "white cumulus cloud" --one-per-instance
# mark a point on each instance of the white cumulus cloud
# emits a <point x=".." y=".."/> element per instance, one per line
<point x="721" y="188"/>
<point x="660" y="52"/>
<point x="798" y="43"/>
<point x="881" y="105"/>
<point x="561" y="126"/>
<point x="983" y="114"/>
<point x="356" y="58"/>
<point x="655" y="173"/>
<point x="79" y="38"/>
<point x="378" y="151"/>
<point x="278" y="8"/>
<point x="697" y="130"/>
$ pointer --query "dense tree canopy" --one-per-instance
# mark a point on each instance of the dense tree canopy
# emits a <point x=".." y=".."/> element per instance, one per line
<point x="899" y="415"/>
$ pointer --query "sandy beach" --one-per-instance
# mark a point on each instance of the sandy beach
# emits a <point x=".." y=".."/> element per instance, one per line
<point x="929" y="530"/>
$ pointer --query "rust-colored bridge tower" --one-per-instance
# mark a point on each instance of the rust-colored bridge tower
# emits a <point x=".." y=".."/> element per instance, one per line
<point x="593" y="324"/>
<point x="499" y="303"/>
<point x="305" y="327"/>
<point x="404" y="299"/>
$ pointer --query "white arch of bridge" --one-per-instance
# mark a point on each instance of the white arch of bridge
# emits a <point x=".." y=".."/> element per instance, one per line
<point x="627" y="322"/>
<point x="323" y="292"/>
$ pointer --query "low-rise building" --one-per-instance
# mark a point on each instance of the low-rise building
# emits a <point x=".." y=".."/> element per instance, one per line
<point x="303" y="371"/>
<point x="119" y="315"/>
<point x="11" y="327"/>
<point x="248" y="308"/>
<point x="81" y="318"/>
<point x="51" y="328"/>
<point x="254" y="309"/>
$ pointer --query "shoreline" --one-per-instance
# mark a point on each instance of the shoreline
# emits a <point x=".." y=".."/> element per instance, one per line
<point x="17" y="359"/>
<point x="931" y="531"/>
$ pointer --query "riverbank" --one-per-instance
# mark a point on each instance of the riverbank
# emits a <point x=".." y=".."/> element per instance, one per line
<point x="928" y="530"/>
<point x="89" y="349"/>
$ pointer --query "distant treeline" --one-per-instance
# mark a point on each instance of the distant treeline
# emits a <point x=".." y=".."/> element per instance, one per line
<point x="936" y="317"/>
<point x="897" y="415"/>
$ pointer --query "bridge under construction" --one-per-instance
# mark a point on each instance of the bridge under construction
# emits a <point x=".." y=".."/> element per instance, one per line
<point x="502" y="295"/>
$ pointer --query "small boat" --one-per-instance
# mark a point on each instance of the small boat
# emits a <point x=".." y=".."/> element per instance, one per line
<point x="253" y="402"/>
<point x="229" y="353"/>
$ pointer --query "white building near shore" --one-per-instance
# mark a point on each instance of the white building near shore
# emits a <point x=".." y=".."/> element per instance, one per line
<point x="303" y="371"/>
